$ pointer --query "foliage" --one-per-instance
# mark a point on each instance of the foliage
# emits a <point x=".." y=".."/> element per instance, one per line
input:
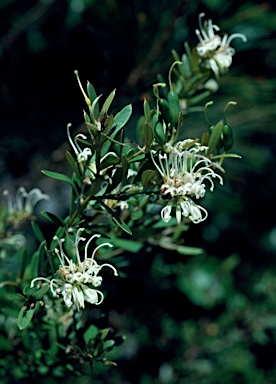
<point x="185" y="310"/>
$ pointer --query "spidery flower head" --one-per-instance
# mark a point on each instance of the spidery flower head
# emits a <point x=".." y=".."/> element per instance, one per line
<point x="74" y="278"/>
<point x="214" y="50"/>
<point x="22" y="206"/>
<point x="185" y="171"/>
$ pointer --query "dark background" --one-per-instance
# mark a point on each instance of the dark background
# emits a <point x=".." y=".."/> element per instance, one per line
<point x="173" y="335"/>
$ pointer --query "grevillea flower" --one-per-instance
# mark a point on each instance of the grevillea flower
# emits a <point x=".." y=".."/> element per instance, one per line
<point x="82" y="154"/>
<point x="24" y="203"/>
<point x="214" y="50"/>
<point x="185" y="171"/>
<point x="75" y="278"/>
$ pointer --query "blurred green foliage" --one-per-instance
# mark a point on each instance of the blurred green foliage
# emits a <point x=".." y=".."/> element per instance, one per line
<point x="207" y="318"/>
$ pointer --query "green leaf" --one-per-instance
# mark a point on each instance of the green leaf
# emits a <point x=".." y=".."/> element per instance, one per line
<point x="186" y="65"/>
<point x="37" y="232"/>
<point x="60" y="176"/>
<point x="90" y="333"/>
<point x="191" y="251"/>
<point x="53" y="218"/>
<point x="117" y="220"/>
<point x="127" y="245"/>
<point x="125" y="167"/>
<point x="196" y="99"/>
<point x="215" y="137"/>
<point x="119" y="122"/>
<point x="92" y="96"/>
<point x="167" y="243"/>
<point x="147" y="110"/>
<point x="121" y="119"/>
<point x="108" y="344"/>
<point x="37" y="294"/>
<point x="25" y="317"/>
<point x="175" y="55"/>
<point x="226" y="155"/>
<point x="104" y="333"/>
<point x="147" y="177"/>
<point x="72" y="163"/>
<point x="147" y="135"/>
<point x="108" y="102"/>
<point x="205" y="139"/>
<point x="86" y="117"/>
<point x="31" y="271"/>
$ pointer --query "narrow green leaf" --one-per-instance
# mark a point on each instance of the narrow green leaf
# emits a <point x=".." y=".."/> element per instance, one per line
<point x="175" y="55"/>
<point x="53" y="218"/>
<point x="60" y="176"/>
<point x="86" y="117"/>
<point x="37" y="294"/>
<point x="121" y="119"/>
<point x="226" y="155"/>
<point x="137" y="158"/>
<point x="147" y="110"/>
<point x="119" y="122"/>
<point x="147" y="165"/>
<point x="205" y="138"/>
<point x="37" y="232"/>
<point x="116" y="219"/>
<point x="127" y="245"/>
<point x="108" y="102"/>
<point x="125" y="167"/>
<point x="147" y="135"/>
<point x="201" y="96"/>
<point x="186" y="65"/>
<point x="25" y="317"/>
<point x="31" y="270"/>
<point x="72" y="163"/>
<point x="104" y="333"/>
<point x="108" y="344"/>
<point x="166" y="242"/>
<point x="191" y="251"/>
<point x="147" y="177"/>
<point x="215" y="137"/>
<point x="92" y="96"/>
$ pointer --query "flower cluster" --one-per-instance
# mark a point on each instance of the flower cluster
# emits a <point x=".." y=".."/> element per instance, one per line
<point x="74" y="277"/>
<point x="214" y="49"/>
<point x="23" y="205"/>
<point x="184" y="171"/>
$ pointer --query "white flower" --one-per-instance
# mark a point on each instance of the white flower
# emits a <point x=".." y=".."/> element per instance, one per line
<point x="215" y="50"/>
<point x="184" y="171"/>
<point x="208" y="40"/>
<point x="24" y="203"/>
<point x="82" y="155"/>
<point x="184" y="207"/>
<point x="14" y="242"/>
<point x="74" y="277"/>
